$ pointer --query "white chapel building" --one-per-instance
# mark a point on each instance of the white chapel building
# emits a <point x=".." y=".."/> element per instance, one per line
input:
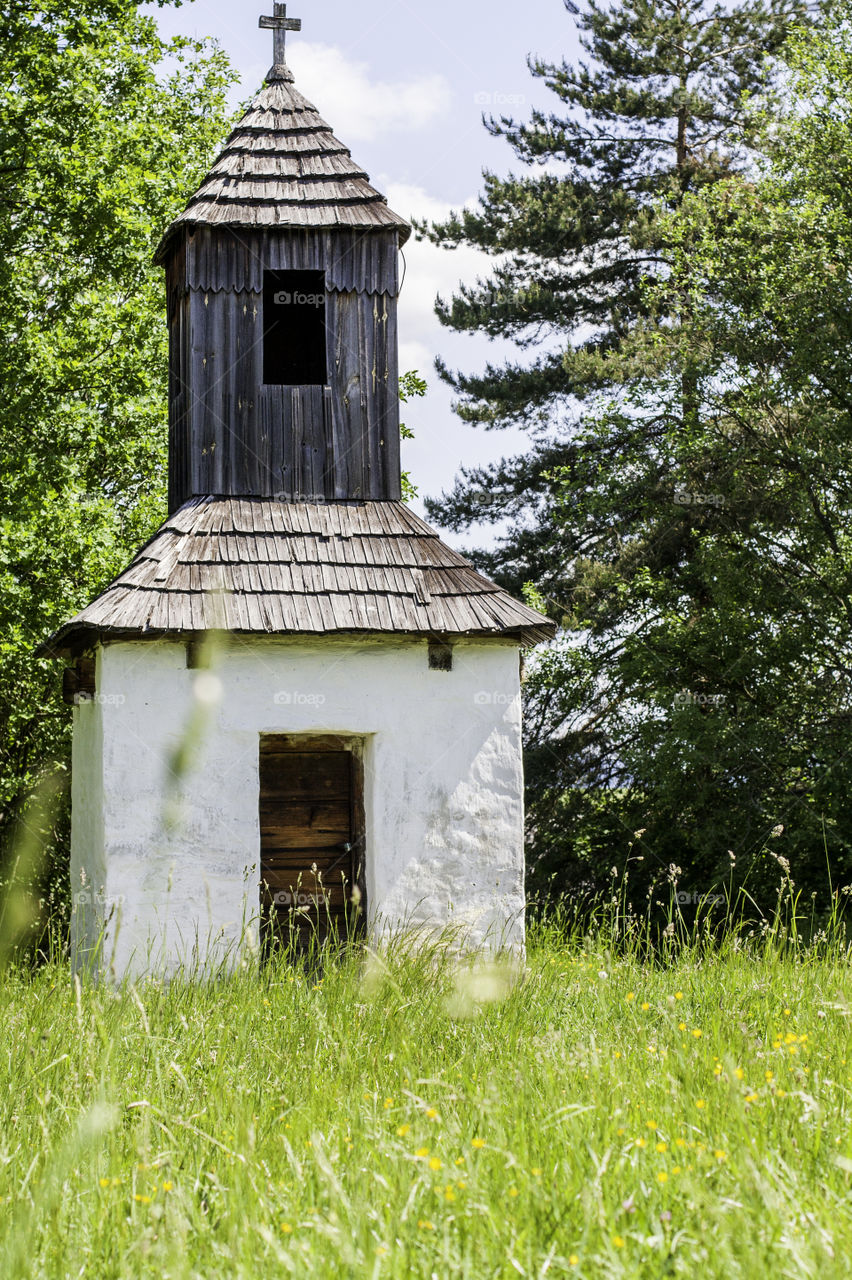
<point x="298" y="711"/>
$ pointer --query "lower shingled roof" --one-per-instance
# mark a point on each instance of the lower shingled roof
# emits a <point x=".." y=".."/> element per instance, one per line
<point x="257" y="566"/>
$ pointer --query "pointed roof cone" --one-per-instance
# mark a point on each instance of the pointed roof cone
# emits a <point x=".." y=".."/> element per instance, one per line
<point x="282" y="168"/>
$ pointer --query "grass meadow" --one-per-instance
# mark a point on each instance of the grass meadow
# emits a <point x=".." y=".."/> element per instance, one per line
<point x="600" y="1114"/>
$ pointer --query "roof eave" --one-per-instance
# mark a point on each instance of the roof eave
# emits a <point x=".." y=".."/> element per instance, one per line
<point x="183" y="224"/>
<point x="75" y="638"/>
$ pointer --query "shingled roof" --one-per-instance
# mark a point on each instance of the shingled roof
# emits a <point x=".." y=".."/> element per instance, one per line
<point x="283" y="167"/>
<point x="261" y="567"/>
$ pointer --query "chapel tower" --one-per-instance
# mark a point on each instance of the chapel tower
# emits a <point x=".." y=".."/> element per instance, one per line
<point x="283" y="279"/>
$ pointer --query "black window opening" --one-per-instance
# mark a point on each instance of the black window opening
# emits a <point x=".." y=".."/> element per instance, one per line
<point x="294" y="329"/>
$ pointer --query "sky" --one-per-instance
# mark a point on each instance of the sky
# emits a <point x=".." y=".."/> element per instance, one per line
<point x="404" y="86"/>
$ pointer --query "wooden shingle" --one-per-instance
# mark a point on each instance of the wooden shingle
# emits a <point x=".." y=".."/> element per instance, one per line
<point x="258" y="566"/>
<point x="282" y="167"/>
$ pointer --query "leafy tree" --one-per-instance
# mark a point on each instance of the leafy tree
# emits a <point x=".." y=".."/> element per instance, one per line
<point x="589" y="279"/>
<point x="105" y="128"/>
<point x="709" y="689"/>
<point x="411" y="386"/>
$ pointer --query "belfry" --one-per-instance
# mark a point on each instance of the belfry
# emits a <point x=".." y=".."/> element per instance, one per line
<point x="297" y="711"/>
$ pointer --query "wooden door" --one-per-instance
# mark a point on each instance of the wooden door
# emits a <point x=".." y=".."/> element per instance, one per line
<point x="311" y="839"/>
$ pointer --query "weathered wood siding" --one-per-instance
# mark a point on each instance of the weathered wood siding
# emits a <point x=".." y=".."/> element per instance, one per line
<point x="224" y="258"/>
<point x="179" y="358"/>
<point x="231" y="434"/>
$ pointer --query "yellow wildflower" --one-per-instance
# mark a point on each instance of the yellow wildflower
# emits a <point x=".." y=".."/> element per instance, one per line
<point x="479" y="1143"/>
<point x="422" y="1152"/>
<point x="286" y="1228"/>
<point x="431" y="1114"/>
<point x="435" y="1164"/>
<point x="662" y="1176"/>
<point x="425" y="1225"/>
<point x="618" y="1241"/>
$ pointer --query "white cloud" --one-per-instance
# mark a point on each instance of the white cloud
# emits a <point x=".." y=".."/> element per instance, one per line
<point x="359" y="107"/>
<point x="430" y="270"/>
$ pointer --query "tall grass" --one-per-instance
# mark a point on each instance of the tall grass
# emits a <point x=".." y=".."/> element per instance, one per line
<point x="596" y="1115"/>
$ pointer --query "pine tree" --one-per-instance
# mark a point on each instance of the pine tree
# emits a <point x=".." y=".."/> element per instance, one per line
<point x="656" y="111"/>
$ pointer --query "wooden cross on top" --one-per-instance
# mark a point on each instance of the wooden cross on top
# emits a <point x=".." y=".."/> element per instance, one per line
<point x="281" y="24"/>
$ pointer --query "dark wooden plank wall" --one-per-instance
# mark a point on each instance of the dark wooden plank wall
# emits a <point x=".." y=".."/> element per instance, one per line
<point x="231" y="435"/>
<point x="222" y="258"/>
<point x="178" y="319"/>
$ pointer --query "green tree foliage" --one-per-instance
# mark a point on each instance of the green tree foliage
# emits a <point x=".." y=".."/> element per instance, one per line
<point x="707" y="694"/>
<point x="411" y="386"/>
<point x="105" y="128"/>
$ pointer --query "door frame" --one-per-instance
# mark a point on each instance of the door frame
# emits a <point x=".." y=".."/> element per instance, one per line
<point x="319" y="744"/>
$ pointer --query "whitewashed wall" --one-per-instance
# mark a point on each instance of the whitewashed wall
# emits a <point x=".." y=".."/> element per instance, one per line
<point x="177" y="876"/>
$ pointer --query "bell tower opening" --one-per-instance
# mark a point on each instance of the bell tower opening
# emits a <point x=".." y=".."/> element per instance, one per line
<point x="294" y="329"/>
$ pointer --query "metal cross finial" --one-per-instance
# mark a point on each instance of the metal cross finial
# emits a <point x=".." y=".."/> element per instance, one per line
<point x="281" y="24"/>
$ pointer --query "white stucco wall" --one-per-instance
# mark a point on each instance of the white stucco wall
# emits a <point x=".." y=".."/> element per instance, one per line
<point x="443" y="788"/>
